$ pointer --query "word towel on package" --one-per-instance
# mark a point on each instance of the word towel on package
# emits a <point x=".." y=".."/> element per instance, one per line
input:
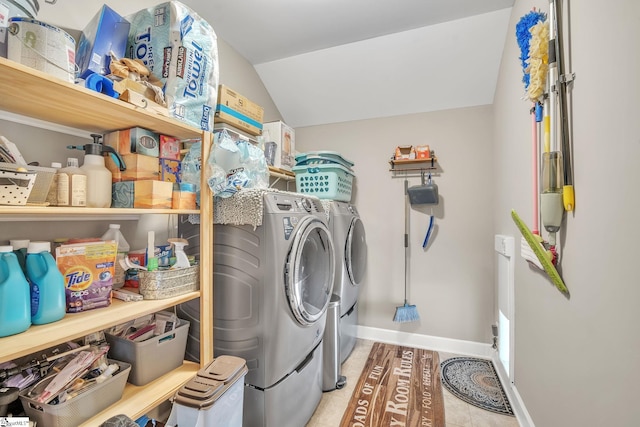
<point x="181" y="49"/>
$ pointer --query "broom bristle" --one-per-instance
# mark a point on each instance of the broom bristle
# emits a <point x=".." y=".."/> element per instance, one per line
<point x="406" y="313"/>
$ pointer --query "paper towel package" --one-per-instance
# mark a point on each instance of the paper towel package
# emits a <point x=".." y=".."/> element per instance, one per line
<point x="181" y="49"/>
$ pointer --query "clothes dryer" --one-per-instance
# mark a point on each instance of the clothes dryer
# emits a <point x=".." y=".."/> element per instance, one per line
<point x="350" y="244"/>
<point x="272" y="285"/>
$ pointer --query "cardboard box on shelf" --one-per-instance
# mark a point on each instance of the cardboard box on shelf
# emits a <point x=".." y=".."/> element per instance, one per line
<point x="423" y="152"/>
<point x="122" y="194"/>
<point x="106" y="32"/>
<point x="151" y="194"/>
<point x="238" y="111"/>
<point x="405" y="152"/>
<point x="138" y="167"/>
<point x="284" y="137"/>
<point x="170" y="170"/>
<point x="170" y="147"/>
<point x="134" y="140"/>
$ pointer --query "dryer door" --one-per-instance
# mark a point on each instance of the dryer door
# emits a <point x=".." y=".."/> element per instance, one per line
<point x="356" y="251"/>
<point x="309" y="271"/>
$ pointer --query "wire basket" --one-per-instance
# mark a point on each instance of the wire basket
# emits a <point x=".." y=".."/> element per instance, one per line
<point x="162" y="284"/>
<point x="43" y="178"/>
<point x="325" y="181"/>
<point x="15" y="187"/>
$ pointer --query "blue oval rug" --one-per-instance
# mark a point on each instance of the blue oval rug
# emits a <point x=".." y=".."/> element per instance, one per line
<point x="476" y="382"/>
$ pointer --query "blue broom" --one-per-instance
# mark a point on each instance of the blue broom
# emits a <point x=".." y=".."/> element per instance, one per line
<point x="406" y="313"/>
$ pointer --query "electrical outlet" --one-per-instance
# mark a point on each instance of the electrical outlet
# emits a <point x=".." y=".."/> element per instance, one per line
<point x="527" y="253"/>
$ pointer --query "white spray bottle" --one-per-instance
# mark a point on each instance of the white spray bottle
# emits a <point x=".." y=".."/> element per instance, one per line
<point x="178" y="249"/>
<point x="98" y="176"/>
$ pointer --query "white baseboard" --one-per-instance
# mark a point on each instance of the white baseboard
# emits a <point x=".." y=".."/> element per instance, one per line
<point x="448" y="345"/>
<point x="517" y="404"/>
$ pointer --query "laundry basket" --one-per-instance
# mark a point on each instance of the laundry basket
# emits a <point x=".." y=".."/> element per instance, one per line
<point x="322" y="157"/>
<point x="325" y="181"/>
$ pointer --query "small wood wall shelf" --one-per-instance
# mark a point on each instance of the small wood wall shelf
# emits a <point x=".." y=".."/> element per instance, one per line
<point x="413" y="165"/>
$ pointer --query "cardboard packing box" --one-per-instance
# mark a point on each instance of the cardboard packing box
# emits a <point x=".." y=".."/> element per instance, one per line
<point x="170" y="170"/>
<point x="284" y="137"/>
<point x="151" y="194"/>
<point x="236" y="110"/>
<point x="138" y="166"/>
<point x="122" y="194"/>
<point x="106" y="32"/>
<point x="170" y="147"/>
<point x="134" y="140"/>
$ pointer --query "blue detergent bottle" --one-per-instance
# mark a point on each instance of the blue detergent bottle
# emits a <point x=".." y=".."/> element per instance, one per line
<point x="15" y="308"/>
<point x="47" y="284"/>
<point x="20" y="249"/>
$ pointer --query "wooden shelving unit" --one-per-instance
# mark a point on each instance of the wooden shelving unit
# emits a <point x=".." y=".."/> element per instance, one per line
<point x="34" y="94"/>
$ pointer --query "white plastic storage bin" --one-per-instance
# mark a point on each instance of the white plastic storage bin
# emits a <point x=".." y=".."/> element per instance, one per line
<point x="153" y="357"/>
<point x="214" y="397"/>
<point x="74" y="412"/>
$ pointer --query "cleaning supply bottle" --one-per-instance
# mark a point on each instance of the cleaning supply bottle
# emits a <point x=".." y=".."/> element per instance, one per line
<point x="178" y="249"/>
<point x="98" y="176"/>
<point x="15" y="308"/>
<point x="114" y="233"/>
<point x="72" y="185"/>
<point x="47" y="284"/>
<point x="20" y="249"/>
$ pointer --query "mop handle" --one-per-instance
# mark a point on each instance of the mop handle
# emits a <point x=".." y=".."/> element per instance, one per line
<point x="406" y="235"/>
<point x="534" y="169"/>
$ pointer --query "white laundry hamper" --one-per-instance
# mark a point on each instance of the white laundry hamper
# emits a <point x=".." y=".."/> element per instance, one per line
<point x="213" y="398"/>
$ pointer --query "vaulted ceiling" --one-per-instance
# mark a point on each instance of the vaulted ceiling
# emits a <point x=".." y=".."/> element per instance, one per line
<point x="329" y="61"/>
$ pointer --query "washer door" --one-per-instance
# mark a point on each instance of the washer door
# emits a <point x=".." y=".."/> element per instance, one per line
<point x="309" y="271"/>
<point x="355" y="252"/>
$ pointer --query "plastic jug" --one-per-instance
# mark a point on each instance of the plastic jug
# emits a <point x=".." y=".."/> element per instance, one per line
<point x="47" y="284"/>
<point x="114" y="233"/>
<point x="72" y="185"/>
<point x="98" y="176"/>
<point x="15" y="309"/>
<point x="20" y="249"/>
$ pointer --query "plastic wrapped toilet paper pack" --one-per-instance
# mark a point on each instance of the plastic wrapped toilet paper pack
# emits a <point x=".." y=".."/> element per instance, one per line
<point x="181" y="49"/>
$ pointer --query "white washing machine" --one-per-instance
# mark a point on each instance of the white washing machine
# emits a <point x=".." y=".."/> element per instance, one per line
<point x="272" y="285"/>
<point x="350" y="244"/>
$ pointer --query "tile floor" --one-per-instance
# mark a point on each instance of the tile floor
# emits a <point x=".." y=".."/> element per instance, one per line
<point x="457" y="412"/>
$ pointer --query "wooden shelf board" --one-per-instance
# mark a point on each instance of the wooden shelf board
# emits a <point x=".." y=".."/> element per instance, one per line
<point x="138" y="400"/>
<point x="281" y="173"/>
<point x="32" y="93"/>
<point x="59" y="210"/>
<point x="412" y="161"/>
<point x="76" y="325"/>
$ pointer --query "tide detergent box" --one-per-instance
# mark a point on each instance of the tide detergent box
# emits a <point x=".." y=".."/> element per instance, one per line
<point x="88" y="270"/>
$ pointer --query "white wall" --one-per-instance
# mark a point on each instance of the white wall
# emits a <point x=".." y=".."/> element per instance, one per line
<point x="451" y="283"/>
<point x="576" y="359"/>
